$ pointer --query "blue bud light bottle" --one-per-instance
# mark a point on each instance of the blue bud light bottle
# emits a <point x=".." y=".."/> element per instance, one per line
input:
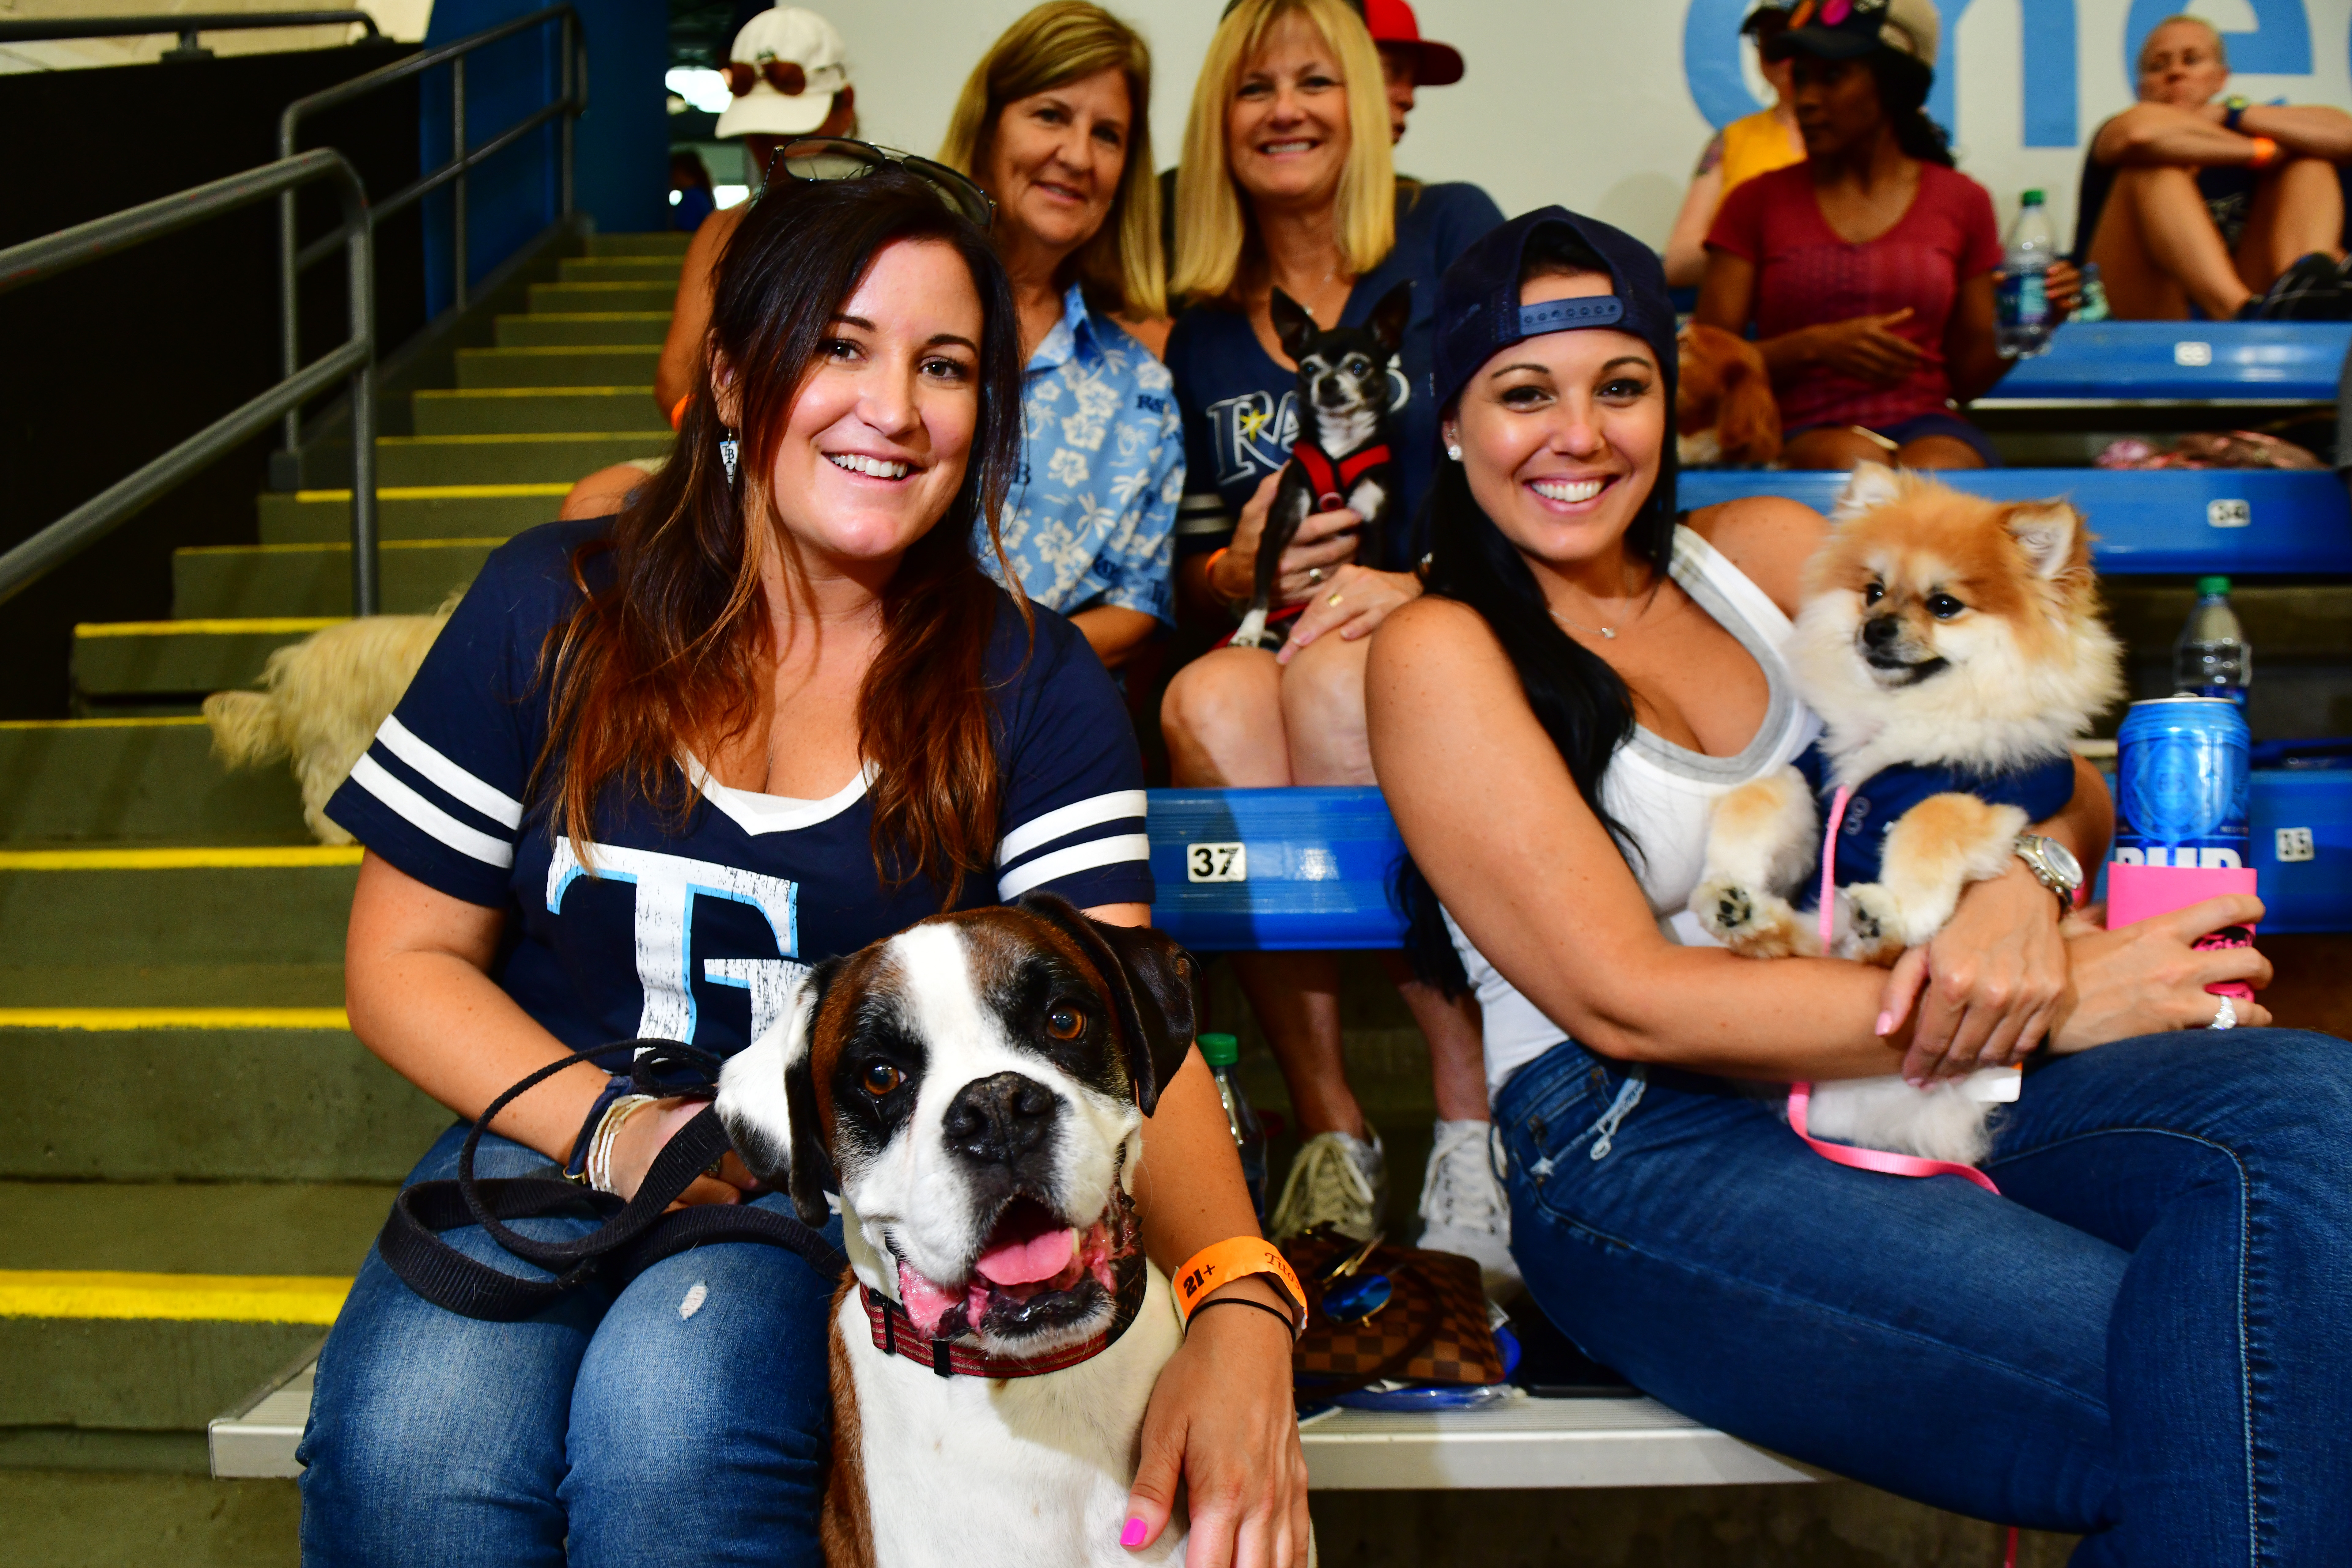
<point x="2212" y="657"/>
<point x="1222" y="1052"/>
<point x="2183" y="781"/>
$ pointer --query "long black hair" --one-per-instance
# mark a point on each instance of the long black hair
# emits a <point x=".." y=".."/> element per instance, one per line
<point x="1903" y="87"/>
<point x="1579" y="701"/>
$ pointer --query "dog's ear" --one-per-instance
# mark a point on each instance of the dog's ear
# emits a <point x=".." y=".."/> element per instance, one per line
<point x="1293" y="327"/>
<point x="1748" y="418"/>
<point x="1151" y="982"/>
<point x="1872" y="486"/>
<point x="1389" y="317"/>
<point x="767" y="1098"/>
<point x="2052" y="535"/>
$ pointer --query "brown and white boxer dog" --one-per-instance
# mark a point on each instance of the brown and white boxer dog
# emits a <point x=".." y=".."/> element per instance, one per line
<point x="975" y="1090"/>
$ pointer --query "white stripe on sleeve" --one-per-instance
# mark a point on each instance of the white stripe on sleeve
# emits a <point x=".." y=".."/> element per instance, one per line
<point x="402" y="742"/>
<point x="1063" y="821"/>
<point x="372" y="776"/>
<point x="1076" y="858"/>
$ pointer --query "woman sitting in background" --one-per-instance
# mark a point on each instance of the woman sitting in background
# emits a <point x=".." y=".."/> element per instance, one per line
<point x="1868" y="268"/>
<point x="1754" y="145"/>
<point x="1287" y="184"/>
<point x="1055" y="123"/>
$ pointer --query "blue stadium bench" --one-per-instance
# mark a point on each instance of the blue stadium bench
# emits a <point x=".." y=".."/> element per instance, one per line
<point x="2242" y="521"/>
<point x="2222" y="364"/>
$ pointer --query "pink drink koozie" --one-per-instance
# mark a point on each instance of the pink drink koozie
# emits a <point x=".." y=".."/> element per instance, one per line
<point x="2137" y="892"/>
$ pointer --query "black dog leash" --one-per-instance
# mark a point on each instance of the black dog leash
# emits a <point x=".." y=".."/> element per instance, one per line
<point x="635" y="1236"/>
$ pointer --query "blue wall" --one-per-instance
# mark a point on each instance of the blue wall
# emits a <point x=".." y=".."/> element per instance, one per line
<point x="621" y="153"/>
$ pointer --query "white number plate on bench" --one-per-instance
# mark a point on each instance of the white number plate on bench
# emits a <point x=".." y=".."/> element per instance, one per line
<point x="1216" y="862"/>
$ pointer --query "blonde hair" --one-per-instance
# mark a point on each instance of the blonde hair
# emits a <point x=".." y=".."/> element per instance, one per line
<point x="1059" y="43"/>
<point x="2220" y="49"/>
<point x="1214" y="236"/>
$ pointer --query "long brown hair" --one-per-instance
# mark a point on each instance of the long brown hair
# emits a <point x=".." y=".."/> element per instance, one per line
<point x="670" y="653"/>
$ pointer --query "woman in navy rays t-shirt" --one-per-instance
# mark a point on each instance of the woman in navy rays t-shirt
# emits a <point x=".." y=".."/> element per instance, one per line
<point x="655" y="767"/>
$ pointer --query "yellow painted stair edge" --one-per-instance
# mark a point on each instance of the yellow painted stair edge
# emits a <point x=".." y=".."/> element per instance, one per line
<point x="249" y="858"/>
<point x="124" y="1018"/>
<point x="184" y="1298"/>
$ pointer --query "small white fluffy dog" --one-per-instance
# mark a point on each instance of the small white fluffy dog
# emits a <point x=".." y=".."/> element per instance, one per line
<point x="1952" y="646"/>
<point x="321" y="702"/>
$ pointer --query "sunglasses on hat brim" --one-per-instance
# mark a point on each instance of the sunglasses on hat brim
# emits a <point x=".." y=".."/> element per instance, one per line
<point x="785" y="75"/>
<point x="817" y="159"/>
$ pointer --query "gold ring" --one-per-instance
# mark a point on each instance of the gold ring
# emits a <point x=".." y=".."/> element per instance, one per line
<point x="1334" y="599"/>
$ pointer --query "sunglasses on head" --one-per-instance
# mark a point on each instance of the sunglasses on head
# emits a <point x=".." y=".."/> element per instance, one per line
<point x="816" y="158"/>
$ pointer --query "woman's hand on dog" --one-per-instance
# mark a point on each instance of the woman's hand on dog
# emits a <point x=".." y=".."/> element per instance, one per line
<point x="1222" y="1418"/>
<point x="643" y="1135"/>
<point x="1323" y="541"/>
<point x="2150" y="977"/>
<point x="1986" y="987"/>
<point x="1352" y="601"/>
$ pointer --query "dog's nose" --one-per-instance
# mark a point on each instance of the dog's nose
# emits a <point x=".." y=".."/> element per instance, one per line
<point x="1000" y="1119"/>
<point x="1329" y="393"/>
<point x="1880" y="630"/>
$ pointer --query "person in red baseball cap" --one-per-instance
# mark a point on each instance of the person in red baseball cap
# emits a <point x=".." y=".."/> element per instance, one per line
<point x="1408" y="60"/>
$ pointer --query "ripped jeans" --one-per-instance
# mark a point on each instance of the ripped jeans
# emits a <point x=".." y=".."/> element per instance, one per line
<point x="2146" y="1339"/>
<point x="682" y="1420"/>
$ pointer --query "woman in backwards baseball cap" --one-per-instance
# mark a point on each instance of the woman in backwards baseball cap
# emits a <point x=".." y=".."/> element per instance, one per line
<point x="1551" y="722"/>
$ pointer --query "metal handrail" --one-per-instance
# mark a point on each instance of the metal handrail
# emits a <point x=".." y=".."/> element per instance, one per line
<point x="49" y="30"/>
<point x="293" y="259"/>
<point x="68" y="248"/>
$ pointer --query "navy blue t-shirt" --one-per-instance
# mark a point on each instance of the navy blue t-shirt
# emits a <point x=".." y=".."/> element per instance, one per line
<point x="699" y="934"/>
<point x="1240" y="407"/>
<point x="2041" y="790"/>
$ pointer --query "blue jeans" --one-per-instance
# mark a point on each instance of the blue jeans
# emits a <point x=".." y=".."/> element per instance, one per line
<point x="612" y="1428"/>
<point x="2147" y="1339"/>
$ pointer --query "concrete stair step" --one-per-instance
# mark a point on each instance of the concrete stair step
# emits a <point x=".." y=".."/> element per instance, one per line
<point x="622" y="269"/>
<point x="156" y="1307"/>
<point x="206" y="1094"/>
<point x="310" y="982"/>
<point x="599" y="299"/>
<point x="624" y="329"/>
<point x="412" y="512"/>
<point x="544" y="458"/>
<point x="136" y="782"/>
<point x="87" y="1505"/>
<point x="227" y="581"/>
<point x="530" y="410"/>
<point x="180" y="659"/>
<point x="618" y="244"/>
<point x="63" y="910"/>
<point x="575" y="365"/>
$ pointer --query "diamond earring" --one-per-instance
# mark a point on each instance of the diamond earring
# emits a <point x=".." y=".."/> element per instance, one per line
<point x="1454" y="451"/>
<point x="727" y="454"/>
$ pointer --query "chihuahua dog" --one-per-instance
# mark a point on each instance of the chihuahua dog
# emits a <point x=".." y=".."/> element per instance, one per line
<point x="1342" y="458"/>
<point x="1952" y="648"/>
<point x="1724" y="411"/>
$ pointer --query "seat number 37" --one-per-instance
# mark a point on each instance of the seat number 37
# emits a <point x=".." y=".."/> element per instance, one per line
<point x="1216" y="862"/>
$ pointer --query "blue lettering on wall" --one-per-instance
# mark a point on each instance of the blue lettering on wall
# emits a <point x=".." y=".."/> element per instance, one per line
<point x="2280" y="44"/>
<point x="2048" y="86"/>
<point x="1711" y="47"/>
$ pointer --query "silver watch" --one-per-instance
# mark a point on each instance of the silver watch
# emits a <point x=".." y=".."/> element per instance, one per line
<point x="2053" y="865"/>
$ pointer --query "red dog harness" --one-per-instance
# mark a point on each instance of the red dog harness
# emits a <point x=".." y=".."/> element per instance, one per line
<point x="1333" y="481"/>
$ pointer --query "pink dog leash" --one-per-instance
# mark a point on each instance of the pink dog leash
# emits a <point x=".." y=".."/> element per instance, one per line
<point x="1801" y="1095"/>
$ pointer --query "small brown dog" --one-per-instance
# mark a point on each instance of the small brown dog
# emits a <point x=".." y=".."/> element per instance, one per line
<point x="1724" y="411"/>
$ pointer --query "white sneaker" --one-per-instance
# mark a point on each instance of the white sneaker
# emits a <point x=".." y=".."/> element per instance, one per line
<point x="1336" y="1179"/>
<point x="1464" y="1206"/>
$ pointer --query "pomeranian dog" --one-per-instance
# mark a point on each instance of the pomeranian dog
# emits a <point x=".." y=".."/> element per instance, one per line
<point x="1952" y="648"/>
<point x="321" y="702"/>
<point x="1724" y="410"/>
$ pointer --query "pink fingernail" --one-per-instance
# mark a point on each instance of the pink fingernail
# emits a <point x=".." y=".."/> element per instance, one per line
<point x="1917" y="1082"/>
<point x="1134" y="1534"/>
<point x="1886" y="1022"/>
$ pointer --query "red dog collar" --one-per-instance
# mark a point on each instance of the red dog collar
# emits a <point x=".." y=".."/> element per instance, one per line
<point x="1332" y="481"/>
<point x="894" y="1334"/>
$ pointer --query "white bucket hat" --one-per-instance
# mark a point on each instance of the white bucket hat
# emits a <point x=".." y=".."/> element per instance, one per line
<point x="783" y="48"/>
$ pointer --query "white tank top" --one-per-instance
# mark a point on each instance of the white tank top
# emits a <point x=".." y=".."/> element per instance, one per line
<point x="1662" y="792"/>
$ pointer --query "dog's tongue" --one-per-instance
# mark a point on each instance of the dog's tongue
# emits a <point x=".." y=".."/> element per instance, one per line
<point x="1026" y="1262"/>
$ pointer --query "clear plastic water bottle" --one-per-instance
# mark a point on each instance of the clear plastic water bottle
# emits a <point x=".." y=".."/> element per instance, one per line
<point x="1222" y="1052"/>
<point x="2212" y="658"/>
<point x="2022" y="299"/>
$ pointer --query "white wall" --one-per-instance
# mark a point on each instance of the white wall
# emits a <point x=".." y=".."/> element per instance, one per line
<point x="1592" y="104"/>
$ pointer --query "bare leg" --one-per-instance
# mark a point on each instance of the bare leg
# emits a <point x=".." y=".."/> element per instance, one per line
<point x="1458" y="1051"/>
<point x="602" y="493"/>
<point x="2157" y="249"/>
<point x="1939" y="452"/>
<point x="2299" y="209"/>
<point x="1832" y="446"/>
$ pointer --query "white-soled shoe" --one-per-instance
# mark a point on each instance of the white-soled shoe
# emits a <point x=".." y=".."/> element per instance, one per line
<point x="1338" y="1179"/>
<point x="1464" y="1206"/>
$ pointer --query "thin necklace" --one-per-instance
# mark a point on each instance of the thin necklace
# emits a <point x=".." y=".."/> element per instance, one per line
<point x="1609" y="633"/>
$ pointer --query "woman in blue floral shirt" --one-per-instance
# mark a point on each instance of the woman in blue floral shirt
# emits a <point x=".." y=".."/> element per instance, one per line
<point x="1053" y="123"/>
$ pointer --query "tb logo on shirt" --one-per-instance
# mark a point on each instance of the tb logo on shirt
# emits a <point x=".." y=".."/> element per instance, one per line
<point x="666" y="887"/>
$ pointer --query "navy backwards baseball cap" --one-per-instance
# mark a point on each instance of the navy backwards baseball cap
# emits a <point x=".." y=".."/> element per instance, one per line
<point x="1479" y="313"/>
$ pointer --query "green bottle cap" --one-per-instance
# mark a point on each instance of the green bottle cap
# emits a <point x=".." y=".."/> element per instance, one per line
<point x="2033" y="198"/>
<point x="2207" y="587"/>
<point x="1220" y="1050"/>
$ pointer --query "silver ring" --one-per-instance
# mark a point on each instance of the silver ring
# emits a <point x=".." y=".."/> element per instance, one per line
<point x="1314" y="576"/>
<point x="2225" y="1016"/>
